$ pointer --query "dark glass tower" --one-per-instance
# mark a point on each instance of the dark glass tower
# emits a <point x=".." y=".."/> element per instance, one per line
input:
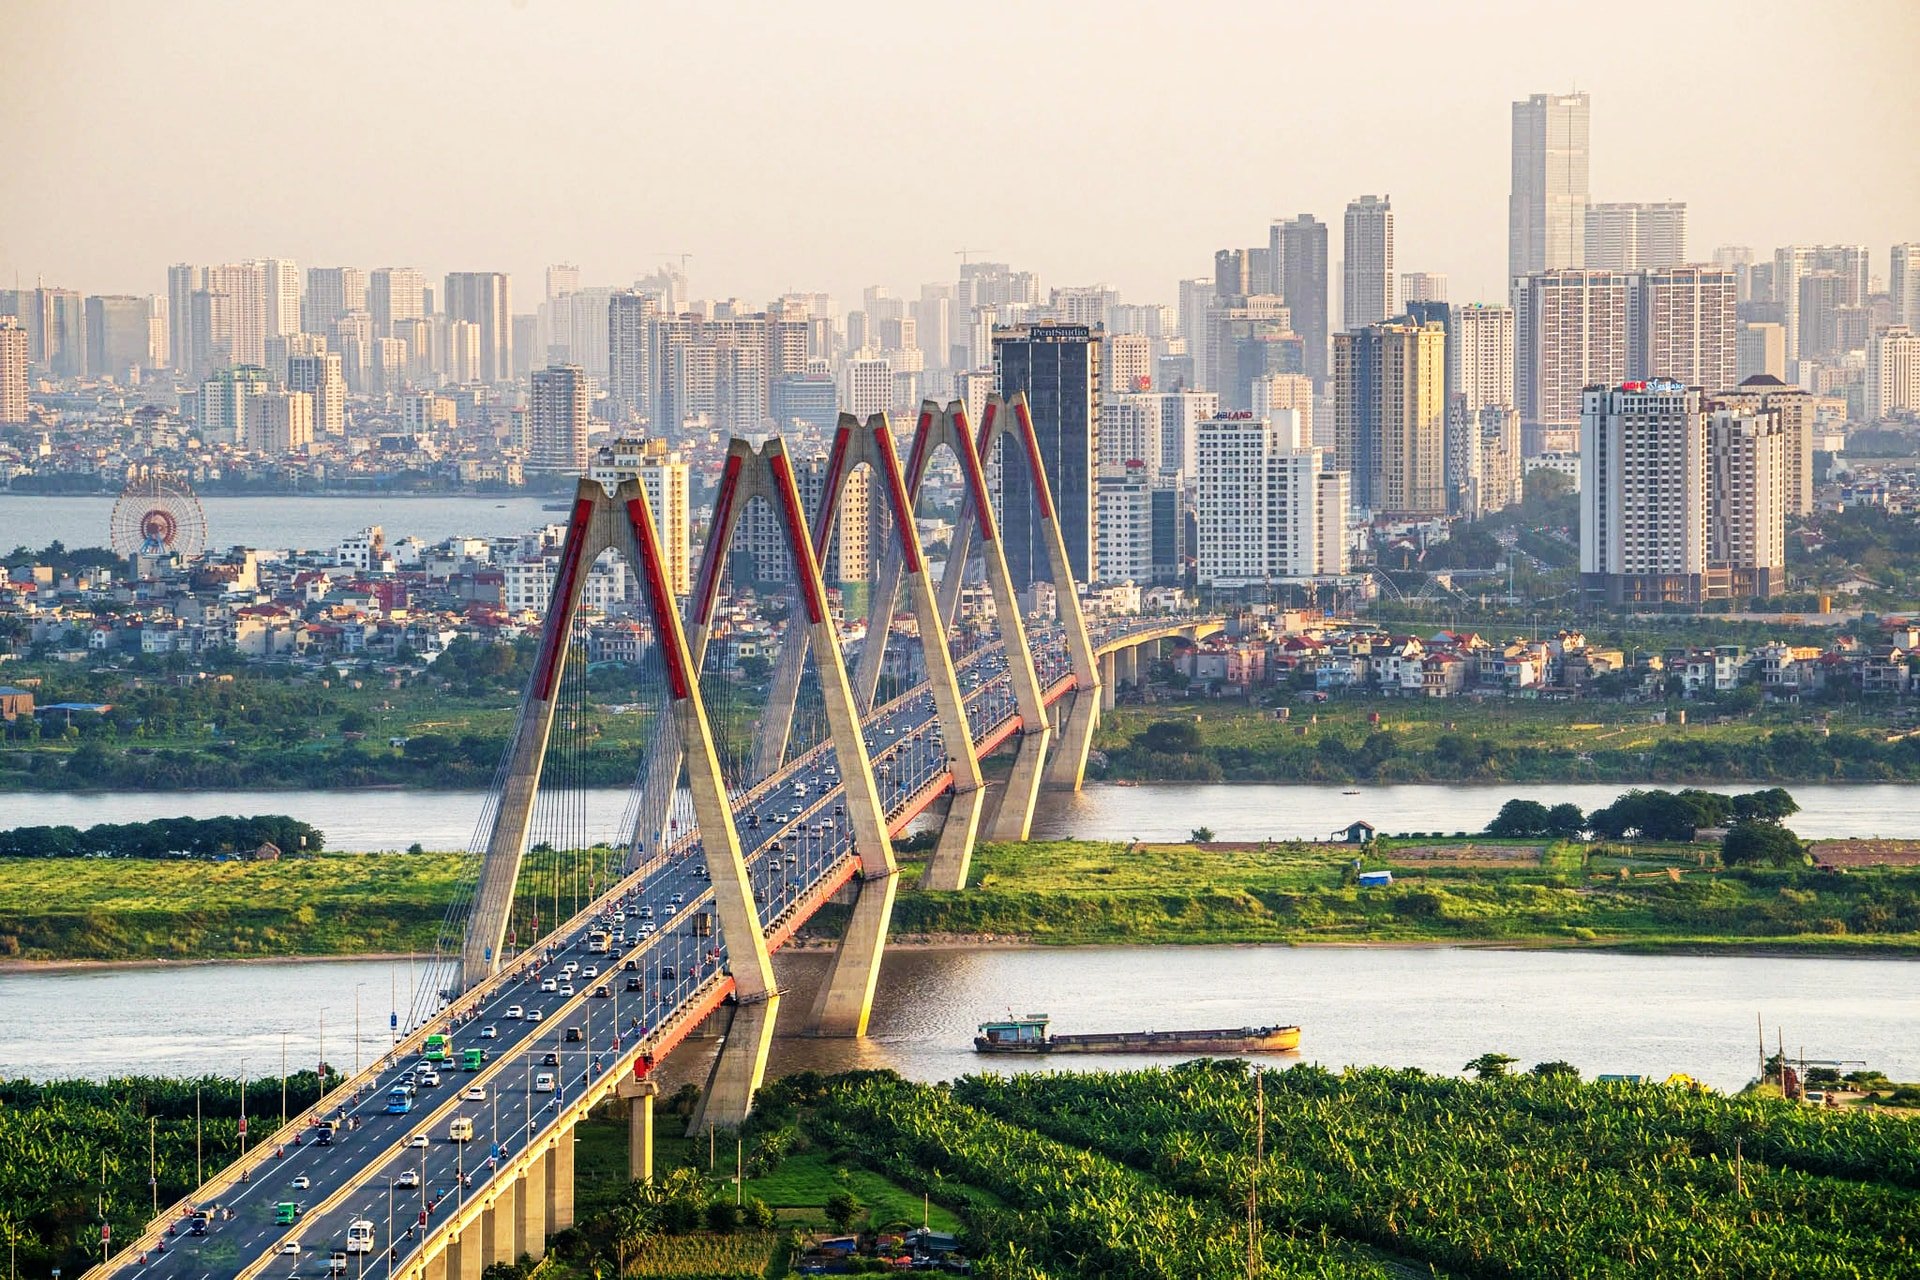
<point x="1058" y="366"/>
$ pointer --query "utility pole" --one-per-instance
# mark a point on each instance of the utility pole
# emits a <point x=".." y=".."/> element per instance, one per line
<point x="199" y="1172"/>
<point x="283" y="1079"/>
<point x="153" y="1167"/>
<point x="1253" y="1179"/>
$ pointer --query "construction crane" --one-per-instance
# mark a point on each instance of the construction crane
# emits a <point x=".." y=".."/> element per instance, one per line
<point x="962" y="254"/>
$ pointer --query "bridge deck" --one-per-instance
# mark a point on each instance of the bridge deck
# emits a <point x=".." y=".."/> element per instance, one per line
<point x="558" y="1040"/>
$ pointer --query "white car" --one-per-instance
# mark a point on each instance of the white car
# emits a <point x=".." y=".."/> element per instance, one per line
<point x="489" y="1033"/>
<point x="549" y="984"/>
<point x="417" y="1140"/>
<point x="408" y="1177"/>
<point x="543" y="1083"/>
<point x="515" y="1013"/>
<point x="534" y="1015"/>
<point x="301" y="1183"/>
<point x="566" y="988"/>
<point x="291" y="1246"/>
<point x="570" y="967"/>
<point x="591" y="971"/>
<point x="474" y="1093"/>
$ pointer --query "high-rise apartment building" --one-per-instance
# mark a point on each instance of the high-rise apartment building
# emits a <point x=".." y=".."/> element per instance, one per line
<point x="1483" y="457"/>
<point x="1570" y="332"/>
<point x="1643" y="493"/>
<point x="1249" y="338"/>
<point x="666" y="477"/>
<point x="395" y="295"/>
<point x="320" y="376"/>
<point x="117" y="334"/>
<point x="1124" y="520"/>
<point x="1058" y="366"/>
<point x="1760" y="347"/>
<point x="1389" y="395"/>
<point x="1290" y="391"/>
<point x="557" y="420"/>
<point x="1547" y="210"/>
<point x="183" y="281"/>
<point x="1636" y="236"/>
<point x="228" y="401"/>
<point x="1127" y="363"/>
<point x="1793" y="408"/>
<point x="1256" y="501"/>
<point x="629" y="350"/>
<point x="1680" y="326"/>
<point x="1368" y="297"/>
<point x="1480" y="354"/>
<point x="13" y="370"/>
<point x="1297" y="253"/>
<point x="280" y="422"/>
<point x="1746" y="503"/>
<point x="484" y="299"/>
<point x="331" y="293"/>
<point x="1893" y="373"/>
<point x="1423" y="286"/>
<point x="1903" y="284"/>
<point x="1847" y="261"/>
<point x="281" y="278"/>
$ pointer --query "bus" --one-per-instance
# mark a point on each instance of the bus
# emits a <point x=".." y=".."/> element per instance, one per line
<point x="399" y="1102"/>
<point x="286" y="1213"/>
<point x="599" y="942"/>
<point x="360" y="1236"/>
<point x="471" y="1059"/>
<point x="439" y="1048"/>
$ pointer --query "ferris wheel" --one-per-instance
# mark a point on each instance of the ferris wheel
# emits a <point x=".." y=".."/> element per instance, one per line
<point x="158" y="515"/>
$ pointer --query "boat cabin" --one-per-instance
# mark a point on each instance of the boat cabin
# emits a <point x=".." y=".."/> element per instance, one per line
<point x="1031" y="1029"/>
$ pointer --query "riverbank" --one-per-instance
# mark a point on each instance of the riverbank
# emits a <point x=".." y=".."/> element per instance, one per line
<point x="1043" y="893"/>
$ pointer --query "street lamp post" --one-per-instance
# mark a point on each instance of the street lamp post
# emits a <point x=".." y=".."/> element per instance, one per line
<point x="356" y="1027"/>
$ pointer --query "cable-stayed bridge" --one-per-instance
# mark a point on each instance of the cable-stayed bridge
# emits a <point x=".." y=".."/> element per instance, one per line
<point x="571" y="966"/>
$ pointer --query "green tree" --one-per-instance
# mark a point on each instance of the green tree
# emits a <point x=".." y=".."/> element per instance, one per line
<point x="1171" y="737"/>
<point x="1755" y="841"/>
<point x="843" y="1207"/>
<point x="1771" y="805"/>
<point x="1555" y="1068"/>
<point x="1519" y="819"/>
<point x="1201" y="835"/>
<point x="1490" y="1066"/>
<point x="1565" y="820"/>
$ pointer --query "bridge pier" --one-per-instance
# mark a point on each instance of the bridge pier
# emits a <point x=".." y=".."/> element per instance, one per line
<point x="464" y="1260"/>
<point x="530" y="1217"/>
<point x="435" y="1267"/>
<point x="639" y="1095"/>
<point x="845" y="1002"/>
<point x="559" y="1180"/>
<point x="1109" y="680"/>
<point x="1013" y="820"/>
<point x="496" y="1224"/>
<point x="953" y="856"/>
<point x="739" y="1068"/>
<point x="1067" y="768"/>
<point x="1127" y="666"/>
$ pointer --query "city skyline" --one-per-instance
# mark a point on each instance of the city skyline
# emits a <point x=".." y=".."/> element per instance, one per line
<point x="563" y="179"/>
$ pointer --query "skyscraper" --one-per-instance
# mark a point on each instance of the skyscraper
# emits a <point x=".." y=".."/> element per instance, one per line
<point x="484" y="299"/>
<point x="1793" y="408"/>
<point x="116" y="334"/>
<point x="664" y="474"/>
<point x="183" y="281"/>
<point x="1636" y="237"/>
<point x="557" y="420"/>
<point x="1256" y="501"/>
<point x="1893" y="373"/>
<point x="331" y="293"/>
<point x="1570" y="332"/>
<point x="1746" y="502"/>
<point x="1793" y="262"/>
<point x="13" y="370"/>
<point x="1058" y="366"/>
<point x="395" y="295"/>
<point x="1547" y="210"/>
<point x="282" y="280"/>
<point x="1680" y="326"/>
<point x="1368" y="298"/>
<point x="1297" y="250"/>
<point x="320" y="377"/>
<point x="1903" y="284"/>
<point x="1480" y="355"/>
<point x="1423" y="286"/>
<point x="629" y="364"/>
<point x="1643" y="493"/>
<point x="1390" y="416"/>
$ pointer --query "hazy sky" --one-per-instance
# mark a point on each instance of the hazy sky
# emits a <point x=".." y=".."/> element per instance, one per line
<point x="831" y="145"/>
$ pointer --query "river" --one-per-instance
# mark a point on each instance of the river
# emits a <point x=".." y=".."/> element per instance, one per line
<point x="309" y="522"/>
<point x="370" y="821"/>
<point x="1424" y="1007"/>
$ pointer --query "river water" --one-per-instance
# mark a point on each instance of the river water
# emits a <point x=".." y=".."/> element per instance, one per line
<point x="282" y="522"/>
<point x="1426" y="1007"/>
<point x="369" y="821"/>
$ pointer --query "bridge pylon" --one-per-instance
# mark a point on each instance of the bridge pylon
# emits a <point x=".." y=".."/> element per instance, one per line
<point x="623" y="521"/>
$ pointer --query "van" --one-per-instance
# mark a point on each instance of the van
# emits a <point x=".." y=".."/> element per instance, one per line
<point x="460" y="1129"/>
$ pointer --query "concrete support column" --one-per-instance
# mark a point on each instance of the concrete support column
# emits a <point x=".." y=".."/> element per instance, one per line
<point x="738" y="1069"/>
<point x="1108" y="675"/>
<point x="1067" y="768"/>
<point x="845" y="1002"/>
<point x="1127" y="666"/>
<point x="639" y="1095"/>
<point x="497" y="1224"/>
<point x="1014" y="819"/>
<point x="560" y="1190"/>
<point x="464" y="1255"/>
<point x="436" y="1266"/>
<point x="530" y="1222"/>
<point x="953" y="856"/>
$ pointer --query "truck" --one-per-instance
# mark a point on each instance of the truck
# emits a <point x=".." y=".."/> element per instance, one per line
<point x="460" y="1129"/>
<point x="472" y="1059"/>
<point x="360" y="1236"/>
<point x="599" y="942"/>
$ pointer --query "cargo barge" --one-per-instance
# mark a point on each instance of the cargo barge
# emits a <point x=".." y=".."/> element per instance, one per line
<point x="1029" y="1035"/>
